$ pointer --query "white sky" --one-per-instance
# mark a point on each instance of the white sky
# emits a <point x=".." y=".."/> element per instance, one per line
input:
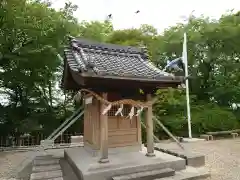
<point x="159" y="13"/>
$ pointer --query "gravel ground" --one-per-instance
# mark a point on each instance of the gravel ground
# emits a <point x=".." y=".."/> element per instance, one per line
<point x="13" y="162"/>
<point x="222" y="159"/>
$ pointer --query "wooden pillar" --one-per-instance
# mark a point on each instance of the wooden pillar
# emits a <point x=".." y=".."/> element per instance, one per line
<point x="104" y="133"/>
<point x="149" y="125"/>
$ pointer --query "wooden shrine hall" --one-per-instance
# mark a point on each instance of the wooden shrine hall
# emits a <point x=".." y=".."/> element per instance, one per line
<point x="116" y="83"/>
<point x="109" y="78"/>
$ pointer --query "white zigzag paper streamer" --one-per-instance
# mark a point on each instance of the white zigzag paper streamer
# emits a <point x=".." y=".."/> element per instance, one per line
<point x="119" y="111"/>
<point x="131" y="114"/>
<point x="106" y="109"/>
<point x="139" y="111"/>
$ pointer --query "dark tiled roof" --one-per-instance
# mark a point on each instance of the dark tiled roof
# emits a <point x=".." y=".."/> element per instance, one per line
<point x="110" y="60"/>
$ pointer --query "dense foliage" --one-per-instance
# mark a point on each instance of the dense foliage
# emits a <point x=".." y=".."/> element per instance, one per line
<point x="32" y="33"/>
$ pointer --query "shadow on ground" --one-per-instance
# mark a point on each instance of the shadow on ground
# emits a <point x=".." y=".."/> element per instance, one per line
<point x="26" y="172"/>
<point x="68" y="173"/>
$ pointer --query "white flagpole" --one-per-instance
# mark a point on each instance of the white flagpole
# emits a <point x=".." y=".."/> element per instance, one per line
<point x="184" y="55"/>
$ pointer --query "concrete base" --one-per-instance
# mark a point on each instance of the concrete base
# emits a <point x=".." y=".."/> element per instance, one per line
<point x="192" y="139"/>
<point x="76" y="141"/>
<point x="206" y="137"/>
<point x="76" y="145"/>
<point x="87" y="167"/>
<point x="116" y="150"/>
<point x="47" y="143"/>
<point x="192" y="159"/>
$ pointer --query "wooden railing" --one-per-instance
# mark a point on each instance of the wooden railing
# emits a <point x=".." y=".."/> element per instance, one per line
<point x="31" y="141"/>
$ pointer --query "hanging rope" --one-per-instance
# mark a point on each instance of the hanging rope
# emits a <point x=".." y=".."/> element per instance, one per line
<point x="116" y="103"/>
<point x="133" y="103"/>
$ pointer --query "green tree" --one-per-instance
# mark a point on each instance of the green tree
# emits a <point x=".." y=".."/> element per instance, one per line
<point x="31" y="35"/>
<point x="95" y="30"/>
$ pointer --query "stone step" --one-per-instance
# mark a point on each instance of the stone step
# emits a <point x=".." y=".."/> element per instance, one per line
<point x="43" y="157"/>
<point x="43" y="168"/>
<point x="41" y="162"/>
<point x="146" y="175"/>
<point x="46" y="157"/>
<point x="58" y="178"/>
<point x="47" y="175"/>
<point x="46" y="167"/>
<point x="190" y="173"/>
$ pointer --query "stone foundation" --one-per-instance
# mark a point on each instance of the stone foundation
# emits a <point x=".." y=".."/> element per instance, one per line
<point x="76" y="141"/>
<point x="87" y="167"/>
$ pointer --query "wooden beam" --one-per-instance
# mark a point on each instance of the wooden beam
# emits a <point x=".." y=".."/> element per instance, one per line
<point x="149" y="124"/>
<point x="104" y="133"/>
<point x="105" y="83"/>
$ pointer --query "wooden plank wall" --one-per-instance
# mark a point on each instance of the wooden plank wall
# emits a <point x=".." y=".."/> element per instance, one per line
<point x="121" y="130"/>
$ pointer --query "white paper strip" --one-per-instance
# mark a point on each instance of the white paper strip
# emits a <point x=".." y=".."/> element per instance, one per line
<point x="139" y="111"/>
<point x="119" y="111"/>
<point x="106" y="109"/>
<point x="131" y="114"/>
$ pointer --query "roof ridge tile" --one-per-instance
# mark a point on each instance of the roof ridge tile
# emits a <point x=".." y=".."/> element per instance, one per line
<point x="84" y="43"/>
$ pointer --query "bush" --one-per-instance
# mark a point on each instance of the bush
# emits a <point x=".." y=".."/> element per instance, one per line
<point x="213" y="118"/>
<point x="205" y="118"/>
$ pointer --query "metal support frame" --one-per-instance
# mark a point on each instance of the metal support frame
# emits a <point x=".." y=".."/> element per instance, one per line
<point x="67" y="126"/>
<point x="166" y="130"/>
<point x="64" y="123"/>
